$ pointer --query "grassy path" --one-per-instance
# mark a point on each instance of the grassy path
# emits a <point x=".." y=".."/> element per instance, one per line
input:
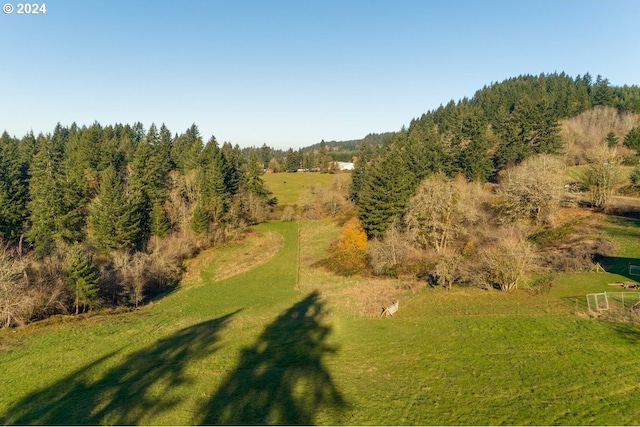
<point x="158" y="365"/>
<point x="251" y="349"/>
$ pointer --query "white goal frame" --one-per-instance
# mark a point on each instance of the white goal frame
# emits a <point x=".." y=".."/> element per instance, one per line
<point x="613" y="301"/>
<point x="598" y="302"/>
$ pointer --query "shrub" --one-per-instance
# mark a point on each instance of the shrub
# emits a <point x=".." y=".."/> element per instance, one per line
<point x="542" y="284"/>
<point x="634" y="177"/>
<point x="348" y="255"/>
<point x="575" y="256"/>
<point x="531" y="191"/>
<point x="289" y="214"/>
<point x="386" y="255"/>
<point x="507" y="261"/>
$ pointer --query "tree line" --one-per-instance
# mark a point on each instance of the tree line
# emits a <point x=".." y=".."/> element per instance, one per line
<point x="105" y="214"/>
<point x="502" y="125"/>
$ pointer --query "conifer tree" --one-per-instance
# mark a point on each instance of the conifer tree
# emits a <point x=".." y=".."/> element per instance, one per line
<point x="163" y="149"/>
<point x="214" y="186"/>
<point x="185" y="151"/>
<point x="13" y="190"/>
<point x="46" y="197"/>
<point x="158" y="222"/>
<point x="232" y="166"/>
<point x="114" y="218"/>
<point x="359" y="174"/>
<point x="82" y="280"/>
<point x="324" y="160"/>
<point x="602" y="92"/>
<point x="424" y="150"/>
<point x="632" y="139"/>
<point x="74" y="190"/>
<point x="475" y="161"/>
<point x="27" y="149"/>
<point x="611" y="139"/>
<point x="199" y="220"/>
<point x="386" y="192"/>
<point x="147" y="178"/>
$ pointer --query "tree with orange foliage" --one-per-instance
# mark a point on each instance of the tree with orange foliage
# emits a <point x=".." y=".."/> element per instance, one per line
<point x="349" y="253"/>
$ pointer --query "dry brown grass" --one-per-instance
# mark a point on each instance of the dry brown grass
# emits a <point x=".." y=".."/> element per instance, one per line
<point x="229" y="260"/>
<point x="368" y="297"/>
<point x="356" y="296"/>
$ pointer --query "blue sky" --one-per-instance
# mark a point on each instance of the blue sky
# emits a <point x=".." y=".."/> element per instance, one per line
<point x="290" y="73"/>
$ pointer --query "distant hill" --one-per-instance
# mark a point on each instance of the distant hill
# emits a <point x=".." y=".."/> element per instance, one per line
<point x="373" y="139"/>
<point x="500" y="126"/>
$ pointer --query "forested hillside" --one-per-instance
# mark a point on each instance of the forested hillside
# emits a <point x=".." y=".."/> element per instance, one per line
<point x="500" y="126"/>
<point x="107" y="213"/>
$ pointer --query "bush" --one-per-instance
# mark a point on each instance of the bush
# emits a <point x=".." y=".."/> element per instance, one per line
<point x="634" y="177"/>
<point x="29" y="289"/>
<point x="575" y="256"/>
<point x="289" y="214"/>
<point x="348" y="255"/>
<point x="543" y="284"/>
<point x="507" y="261"/>
<point x="385" y="256"/>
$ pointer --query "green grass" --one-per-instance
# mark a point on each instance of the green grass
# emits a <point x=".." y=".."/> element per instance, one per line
<point x="287" y="187"/>
<point x="575" y="173"/>
<point x="261" y="347"/>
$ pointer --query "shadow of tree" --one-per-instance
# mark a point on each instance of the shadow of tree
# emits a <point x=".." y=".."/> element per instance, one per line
<point x="138" y="387"/>
<point x="630" y="332"/>
<point x="281" y="379"/>
<point x="619" y="265"/>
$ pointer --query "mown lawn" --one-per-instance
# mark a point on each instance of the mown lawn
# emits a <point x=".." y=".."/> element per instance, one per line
<point x="267" y="345"/>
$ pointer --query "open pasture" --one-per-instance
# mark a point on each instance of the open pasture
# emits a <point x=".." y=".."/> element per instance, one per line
<point x="270" y="345"/>
<point x="287" y="187"/>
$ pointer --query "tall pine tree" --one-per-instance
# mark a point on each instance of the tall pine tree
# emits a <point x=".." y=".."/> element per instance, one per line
<point x="13" y="190"/>
<point x="114" y="218"/>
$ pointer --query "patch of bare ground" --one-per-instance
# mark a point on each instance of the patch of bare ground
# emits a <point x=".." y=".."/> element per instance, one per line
<point x="221" y="262"/>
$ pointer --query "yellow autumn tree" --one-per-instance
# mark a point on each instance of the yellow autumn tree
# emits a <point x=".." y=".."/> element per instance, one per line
<point x="349" y="253"/>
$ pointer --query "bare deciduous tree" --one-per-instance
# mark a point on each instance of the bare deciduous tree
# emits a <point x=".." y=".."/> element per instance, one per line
<point x="318" y="202"/>
<point x="394" y="249"/>
<point x="586" y="131"/>
<point x="13" y="291"/>
<point x="440" y="211"/>
<point x="447" y="270"/>
<point x="602" y="175"/>
<point x="508" y="261"/>
<point x="531" y="191"/>
<point x="25" y="296"/>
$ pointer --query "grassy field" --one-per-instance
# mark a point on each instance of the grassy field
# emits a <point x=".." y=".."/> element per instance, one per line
<point x="255" y="342"/>
<point x="288" y="186"/>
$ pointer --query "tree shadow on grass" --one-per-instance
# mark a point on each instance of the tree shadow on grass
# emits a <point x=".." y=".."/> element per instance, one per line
<point x="281" y="379"/>
<point x="620" y="266"/>
<point x="630" y="332"/>
<point x="138" y="388"/>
